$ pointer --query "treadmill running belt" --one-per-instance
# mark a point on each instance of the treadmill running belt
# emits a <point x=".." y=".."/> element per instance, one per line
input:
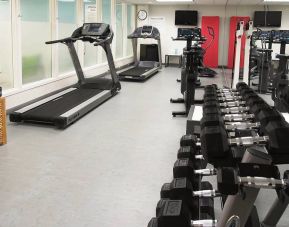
<point x="136" y="71"/>
<point x="50" y="110"/>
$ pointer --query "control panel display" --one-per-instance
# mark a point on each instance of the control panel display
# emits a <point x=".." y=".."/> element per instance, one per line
<point x="94" y="29"/>
<point x="147" y="30"/>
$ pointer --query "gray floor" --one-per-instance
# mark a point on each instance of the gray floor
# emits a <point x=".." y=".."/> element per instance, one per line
<point x="105" y="170"/>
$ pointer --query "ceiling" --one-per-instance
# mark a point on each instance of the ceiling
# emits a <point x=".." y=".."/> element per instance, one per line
<point x="206" y="2"/>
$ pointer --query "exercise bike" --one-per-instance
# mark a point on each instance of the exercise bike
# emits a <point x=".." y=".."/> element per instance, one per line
<point x="191" y="71"/>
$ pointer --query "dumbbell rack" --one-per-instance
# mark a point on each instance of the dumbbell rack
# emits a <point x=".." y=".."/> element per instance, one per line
<point x="3" y="129"/>
<point x="232" y="110"/>
<point x="238" y="205"/>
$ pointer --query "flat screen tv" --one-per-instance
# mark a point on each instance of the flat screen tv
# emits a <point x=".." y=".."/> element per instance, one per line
<point x="186" y="17"/>
<point x="273" y="18"/>
<point x="259" y="19"/>
<point x="267" y="18"/>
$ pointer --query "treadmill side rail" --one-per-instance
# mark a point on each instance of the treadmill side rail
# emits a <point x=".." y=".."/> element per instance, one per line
<point x="77" y="112"/>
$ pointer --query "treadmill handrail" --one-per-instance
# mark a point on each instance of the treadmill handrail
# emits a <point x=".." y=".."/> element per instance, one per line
<point x="100" y="42"/>
<point x="65" y="40"/>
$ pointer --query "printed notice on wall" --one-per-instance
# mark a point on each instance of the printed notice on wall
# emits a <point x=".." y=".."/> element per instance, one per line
<point x="90" y="14"/>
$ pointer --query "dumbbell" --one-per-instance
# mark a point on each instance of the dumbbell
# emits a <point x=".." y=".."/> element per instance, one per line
<point x="222" y="97"/>
<point x="203" y="200"/>
<point x="237" y="117"/>
<point x="245" y="95"/>
<point x="175" y="213"/>
<point x="216" y="144"/>
<point x="217" y="120"/>
<point x="193" y="155"/>
<point x="186" y="168"/>
<point x="238" y="95"/>
<point x="215" y="89"/>
<point x="225" y="104"/>
<point x="254" y="105"/>
<point x="250" y="175"/>
<point x="266" y="115"/>
<point x="189" y="141"/>
<point x="214" y="109"/>
<point x="263" y="113"/>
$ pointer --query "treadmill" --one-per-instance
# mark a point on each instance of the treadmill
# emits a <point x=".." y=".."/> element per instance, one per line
<point x="64" y="107"/>
<point x="143" y="69"/>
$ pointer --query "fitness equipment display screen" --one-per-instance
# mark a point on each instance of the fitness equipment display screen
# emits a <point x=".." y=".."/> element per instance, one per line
<point x="147" y="30"/>
<point x="94" y="29"/>
<point x="186" y="17"/>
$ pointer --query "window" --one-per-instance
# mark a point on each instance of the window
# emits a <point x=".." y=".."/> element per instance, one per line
<point x="130" y="27"/>
<point x="6" y="75"/>
<point x="66" y="25"/>
<point x="106" y="18"/>
<point x="35" y="31"/>
<point x="106" y="11"/>
<point x="119" y="30"/>
<point x="90" y="16"/>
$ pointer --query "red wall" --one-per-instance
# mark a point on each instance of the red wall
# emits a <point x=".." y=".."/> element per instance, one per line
<point x="211" y="58"/>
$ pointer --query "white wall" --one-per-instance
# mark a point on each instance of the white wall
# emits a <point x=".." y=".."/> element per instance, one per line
<point x="168" y="12"/>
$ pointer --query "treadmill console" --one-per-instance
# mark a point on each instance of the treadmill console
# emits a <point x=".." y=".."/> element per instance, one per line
<point x="147" y="30"/>
<point x="95" y="29"/>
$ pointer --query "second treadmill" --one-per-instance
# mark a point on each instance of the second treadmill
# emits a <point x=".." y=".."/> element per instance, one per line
<point x="143" y="69"/>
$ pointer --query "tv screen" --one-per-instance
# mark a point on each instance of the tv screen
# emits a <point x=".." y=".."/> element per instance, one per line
<point x="273" y="18"/>
<point x="186" y="17"/>
<point x="259" y="19"/>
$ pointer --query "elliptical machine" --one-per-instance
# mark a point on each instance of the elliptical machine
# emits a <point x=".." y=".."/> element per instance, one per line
<point x="206" y="71"/>
<point x="191" y="71"/>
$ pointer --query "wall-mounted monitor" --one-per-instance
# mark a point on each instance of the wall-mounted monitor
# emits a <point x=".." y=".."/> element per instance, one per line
<point x="273" y="18"/>
<point x="267" y="18"/>
<point x="259" y="19"/>
<point x="186" y="17"/>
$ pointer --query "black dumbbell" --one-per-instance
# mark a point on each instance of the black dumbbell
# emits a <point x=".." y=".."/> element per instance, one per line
<point x="266" y="115"/>
<point x="193" y="155"/>
<point x="242" y="85"/>
<point x="215" y="109"/>
<point x="251" y="175"/>
<point x="174" y="213"/>
<point x="185" y="168"/>
<point x="217" y="120"/>
<point x="216" y="144"/>
<point x="182" y="189"/>
<point x="189" y="141"/>
<point x="222" y="97"/>
<point x="224" y="104"/>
